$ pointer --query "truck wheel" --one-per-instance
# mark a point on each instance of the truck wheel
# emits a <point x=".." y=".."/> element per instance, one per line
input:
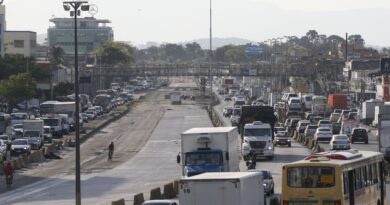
<point x="270" y="157"/>
<point x="275" y="145"/>
<point x="289" y="145"/>
<point x="366" y="141"/>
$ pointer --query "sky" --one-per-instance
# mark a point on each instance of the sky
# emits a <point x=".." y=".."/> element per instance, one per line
<point x="141" y="21"/>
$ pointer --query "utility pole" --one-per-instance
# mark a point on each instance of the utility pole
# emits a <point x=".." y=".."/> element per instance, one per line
<point x="211" y="52"/>
<point x="346" y="60"/>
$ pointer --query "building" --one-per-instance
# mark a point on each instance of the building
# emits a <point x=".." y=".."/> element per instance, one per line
<point x="20" y="42"/>
<point x="2" y="29"/>
<point x="92" y="33"/>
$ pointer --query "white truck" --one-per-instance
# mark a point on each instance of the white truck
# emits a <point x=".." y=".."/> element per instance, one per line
<point x="384" y="136"/>
<point x="209" y="149"/>
<point x="320" y="105"/>
<point x="33" y="131"/>
<point x="380" y="110"/>
<point x="230" y="188"/>
<point x="55" y="107"/>
<point x="257" y="137"/>
<point x="55" y="123"/>
<point x="368" y="110"/>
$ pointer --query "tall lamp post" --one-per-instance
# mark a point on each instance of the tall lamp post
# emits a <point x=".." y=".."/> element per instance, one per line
<point x="210" y="54"/>
<point x="77" y="7"/>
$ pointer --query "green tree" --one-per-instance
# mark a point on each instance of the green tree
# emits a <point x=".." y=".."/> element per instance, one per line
<point x="63" y="88"/>
<point x="56" y="58"/>
<point x="112" y="53"/>
<point x="17" y="88"/>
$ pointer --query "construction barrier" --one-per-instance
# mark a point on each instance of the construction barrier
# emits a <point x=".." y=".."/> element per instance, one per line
<point x="139" y="199"/>
<point x="17" y="164"/>
<point x="176" y="187"/>
<point x="169" y="191"/>
<point x="155" y="193"/>
<point x="118" y="202"/>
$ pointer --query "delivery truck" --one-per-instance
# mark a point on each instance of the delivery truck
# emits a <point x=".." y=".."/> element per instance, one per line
<point x="384" y="136"/>
<point x="368" y="110"/>
<point x="337" y="101"/>
<point x="229" y="188"/>
<point x="380" y="110"/>
<point x="33" y="131"/>
<point x="209" y="149"/>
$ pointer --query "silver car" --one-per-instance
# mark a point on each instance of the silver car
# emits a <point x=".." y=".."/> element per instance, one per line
<point x="268" y="181"/>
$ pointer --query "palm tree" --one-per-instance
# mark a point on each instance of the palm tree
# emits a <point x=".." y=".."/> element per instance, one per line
<point x="56" y="58"/>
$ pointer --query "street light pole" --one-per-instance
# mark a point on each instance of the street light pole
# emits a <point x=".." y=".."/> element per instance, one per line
<point x="210" y="53"/>
<point x="77" y="6"/>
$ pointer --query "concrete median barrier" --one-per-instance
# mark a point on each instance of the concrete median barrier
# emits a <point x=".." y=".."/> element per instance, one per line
<point x="17" y="164"/>
<point x="118" y="202"/>
<point x="139" y="199"/>
<point x="169" y="192"/>
<point x="155" y="193"/>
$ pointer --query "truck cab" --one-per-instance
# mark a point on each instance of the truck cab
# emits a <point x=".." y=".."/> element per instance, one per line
<point x="203" y="160"/>
<point x="213" y="149"/>
<point x="258" y="139"/>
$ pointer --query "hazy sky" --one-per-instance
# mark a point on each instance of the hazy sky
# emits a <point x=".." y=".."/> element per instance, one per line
<point x="140" y="21"/>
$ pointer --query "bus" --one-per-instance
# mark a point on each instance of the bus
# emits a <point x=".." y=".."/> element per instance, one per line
<point x="336" y="177"/>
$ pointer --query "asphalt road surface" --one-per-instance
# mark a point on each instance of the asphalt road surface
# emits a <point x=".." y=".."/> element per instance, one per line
<point x="147" y="141"/>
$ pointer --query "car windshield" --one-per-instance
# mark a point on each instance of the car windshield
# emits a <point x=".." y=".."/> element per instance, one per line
<point x="322" y="122"/>
<point x="18" y="126"/>
<point x="360" y="131"/>
<point x="336" y="125"/>
<point x="46" y="130"/>
<point x="207" y="158"/>
<point x="341" y="137"/>
<point x="257" y="132"/>
<point x="295" y="101"/>
<point x="19" y="142"/>
<point x="324" y="130"/>
<point x="312" y="127"/>
<point x="51" y="122"/>
<point x="308" y="98"/>
<point x="3" y="137"/>
<point x="31" y="134"/>
<point x="310" y="177"/>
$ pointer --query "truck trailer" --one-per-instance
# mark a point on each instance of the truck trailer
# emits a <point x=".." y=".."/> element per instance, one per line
<point x="230" y="188"/>
<point x="209" y="149"/>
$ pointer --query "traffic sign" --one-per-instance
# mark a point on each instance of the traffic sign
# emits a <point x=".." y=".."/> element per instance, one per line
<point x="253" y="50"/>
<point x="385" y="65"/>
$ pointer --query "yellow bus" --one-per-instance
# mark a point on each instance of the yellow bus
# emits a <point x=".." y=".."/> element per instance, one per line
<point x="335" y="178"/>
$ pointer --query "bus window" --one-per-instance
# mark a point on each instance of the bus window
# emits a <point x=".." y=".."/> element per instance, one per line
<point x="364" y="176"/>
<point x="374" y="173"/>
<point x="346" y="182"/>
<point x="369" y="174"/>
<point x="358" y="179"/>
<point x="310" y="177"/>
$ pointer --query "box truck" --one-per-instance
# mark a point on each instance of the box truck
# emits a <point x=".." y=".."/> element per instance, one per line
<point x="256" y="128"/>
<point x="209" y="149"/>
<point x="380" y="110"/>
<point x="384" y="136"/>
<point x="338" y="101"/>
<point x="229" y="188"/>
<point x="33" y="131"/>
<point x="368" y="110"/>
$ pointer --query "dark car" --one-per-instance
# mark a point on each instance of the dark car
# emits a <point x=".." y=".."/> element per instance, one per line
<point x="336" y="127"/>
<point x="359" y="135"/>
<point x="281" y="138"/>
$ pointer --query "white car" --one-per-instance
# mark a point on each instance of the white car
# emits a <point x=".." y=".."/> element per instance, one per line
<point x="295" y="102"/>
<point x="47" y="136"/>
<point x="323" y="134"/>
<point x="3" y="147"/>
<point x="339" y="142"/>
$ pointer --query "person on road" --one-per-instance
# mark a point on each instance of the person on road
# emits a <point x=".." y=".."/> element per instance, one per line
<point x="110" y="151"/>
<point x="251" y="163"/>
<point x="9" y="173"/>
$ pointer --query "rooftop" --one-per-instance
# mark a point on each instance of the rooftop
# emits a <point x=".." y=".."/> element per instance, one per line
<point x="85" y="19"/>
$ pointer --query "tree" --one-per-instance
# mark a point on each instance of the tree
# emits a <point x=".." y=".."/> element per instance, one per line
<point x="17" y="88"/>
<point x="63" y="88"/>
<point x="312" y="35"/>
<point x="56" y="58"/>
<point x="113" y="53"/>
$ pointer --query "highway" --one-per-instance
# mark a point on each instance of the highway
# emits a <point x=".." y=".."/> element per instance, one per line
<point x="147" y="139"/>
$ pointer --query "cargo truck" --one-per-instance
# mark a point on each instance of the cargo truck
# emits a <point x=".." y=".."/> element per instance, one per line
<point x="368" y="110"/>
<point x="33" y="131"/>
<point x="256" y="128"/>
<point x="338" y="101"/>
<point x="209" y="149"/>
<point x="384" y="136"/>
<point x="380" y="110"/>
<point x="230" y="188"/>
